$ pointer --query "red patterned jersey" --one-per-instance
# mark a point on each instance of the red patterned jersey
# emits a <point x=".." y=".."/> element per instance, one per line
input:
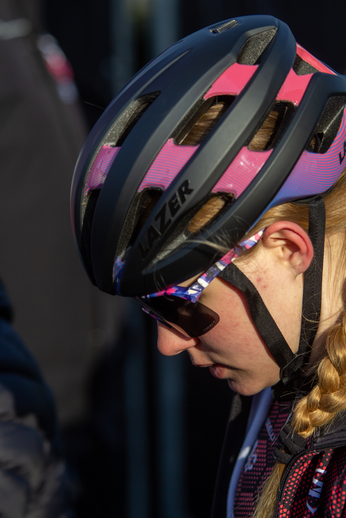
<point x="314" y="483"/>
<point x="314" y="486"/>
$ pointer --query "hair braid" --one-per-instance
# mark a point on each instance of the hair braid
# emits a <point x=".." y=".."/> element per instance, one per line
<point x="328" y="397"/>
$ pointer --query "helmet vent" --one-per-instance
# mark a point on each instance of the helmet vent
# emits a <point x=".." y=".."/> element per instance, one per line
<point x="211" y="210"/>
<point x="200" y="122"/>
<point x="116" y="136"/>
<point x="255" y="48"/>
<point x="302" y="68"/>
<point x="143" y="205"/>
<point x="273" y="127"/>
<point x="328" y="125"/>
<point x="196" y="221"/>
<point x="224" y="27"/>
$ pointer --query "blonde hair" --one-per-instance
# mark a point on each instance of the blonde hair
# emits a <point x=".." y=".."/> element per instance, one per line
<point x="328" y="397"/>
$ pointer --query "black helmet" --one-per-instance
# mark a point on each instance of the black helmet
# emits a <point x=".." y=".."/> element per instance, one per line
<point x="137" y="184"/>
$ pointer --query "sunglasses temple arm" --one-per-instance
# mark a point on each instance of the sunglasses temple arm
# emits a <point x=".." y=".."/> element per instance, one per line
<point x="151" y="314"/>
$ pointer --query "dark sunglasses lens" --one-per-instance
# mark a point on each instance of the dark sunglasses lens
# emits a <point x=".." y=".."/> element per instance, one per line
<point x="194" y="318"/>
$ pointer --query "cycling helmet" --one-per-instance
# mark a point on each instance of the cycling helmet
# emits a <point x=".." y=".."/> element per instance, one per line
<point x="137" y="184"/>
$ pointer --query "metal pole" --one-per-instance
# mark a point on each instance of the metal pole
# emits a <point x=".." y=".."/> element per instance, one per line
<point x="122" y="64"/>
<point x="165" y="28"/>
<point x="136" y="409"/>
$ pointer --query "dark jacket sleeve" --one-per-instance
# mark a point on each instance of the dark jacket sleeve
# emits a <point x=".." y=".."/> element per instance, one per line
<point x="33" y="481"/>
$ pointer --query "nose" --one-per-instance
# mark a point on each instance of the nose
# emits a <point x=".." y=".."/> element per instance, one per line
<point x="170" y="342"/>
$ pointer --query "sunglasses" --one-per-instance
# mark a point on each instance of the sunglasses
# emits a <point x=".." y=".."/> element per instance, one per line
<point x="178" y="306"/>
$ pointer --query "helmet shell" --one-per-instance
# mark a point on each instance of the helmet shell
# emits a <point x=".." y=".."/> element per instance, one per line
<point x="132" y="148"/>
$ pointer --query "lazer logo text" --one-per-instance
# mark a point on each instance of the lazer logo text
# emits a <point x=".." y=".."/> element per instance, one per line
<point x="165" y="217"/>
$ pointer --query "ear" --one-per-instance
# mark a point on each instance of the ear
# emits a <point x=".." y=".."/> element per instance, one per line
<point x="290" y="243"/>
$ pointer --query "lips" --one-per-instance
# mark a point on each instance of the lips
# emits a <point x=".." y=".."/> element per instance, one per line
<point x="217" y="369"/>
<point x="203" y="366"/>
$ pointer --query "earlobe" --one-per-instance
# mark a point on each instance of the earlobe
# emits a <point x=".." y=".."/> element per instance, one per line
<point x="291" y="244"/>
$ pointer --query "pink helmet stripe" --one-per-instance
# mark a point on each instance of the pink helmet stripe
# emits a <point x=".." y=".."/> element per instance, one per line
<point x="309" y="58"/>
<point x="166" y="166"/>
<point x="100" y="167"/>
<point x="242" y="171"/>
<point x="232" y="81"/>
<point x="315" y="172"/>
<point x="294" y="87"/>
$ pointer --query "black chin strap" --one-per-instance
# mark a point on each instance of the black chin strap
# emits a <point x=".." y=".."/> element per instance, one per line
<point x="312" y="294"/>
<point x="289" y="363"/>
<point x="264" y="322"/>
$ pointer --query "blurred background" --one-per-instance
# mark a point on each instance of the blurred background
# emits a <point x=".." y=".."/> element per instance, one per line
<point x="142" y="432"/>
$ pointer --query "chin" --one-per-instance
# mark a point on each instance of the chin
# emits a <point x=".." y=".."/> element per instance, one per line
<point x="245" y="389"/>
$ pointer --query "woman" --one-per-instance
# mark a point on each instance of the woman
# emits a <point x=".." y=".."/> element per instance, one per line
<point x="212" y="191"/>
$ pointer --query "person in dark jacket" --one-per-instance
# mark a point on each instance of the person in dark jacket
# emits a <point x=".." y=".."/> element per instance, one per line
<point x="33" y="478"/>
<point x="213" y="191"/>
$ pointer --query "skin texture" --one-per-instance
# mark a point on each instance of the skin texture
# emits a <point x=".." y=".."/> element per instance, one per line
<point x="233" y="349"/>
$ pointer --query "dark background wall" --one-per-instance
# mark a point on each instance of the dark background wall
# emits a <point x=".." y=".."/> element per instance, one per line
<point x="85" y="30"/>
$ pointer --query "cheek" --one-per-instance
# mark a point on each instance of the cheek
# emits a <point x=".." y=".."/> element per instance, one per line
<point x="236" y="330"/>
<point x="233" y="309"/>
<point x="235" y="321"/>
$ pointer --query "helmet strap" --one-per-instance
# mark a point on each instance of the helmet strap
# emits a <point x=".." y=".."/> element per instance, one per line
<point x="312" y="292"/>
<point x="290" y="364"/>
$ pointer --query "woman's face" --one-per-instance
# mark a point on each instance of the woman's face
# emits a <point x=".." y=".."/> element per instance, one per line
<point x="233" y="349"/>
